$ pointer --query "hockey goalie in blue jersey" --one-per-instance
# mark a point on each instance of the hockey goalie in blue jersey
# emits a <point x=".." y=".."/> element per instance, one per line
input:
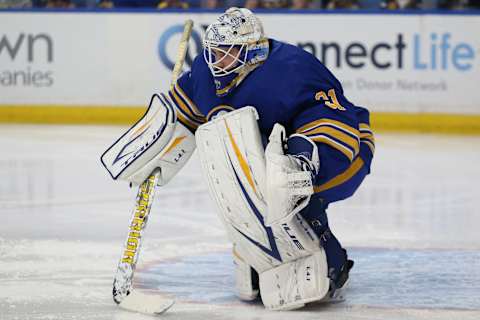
<point x="278" y="142"/>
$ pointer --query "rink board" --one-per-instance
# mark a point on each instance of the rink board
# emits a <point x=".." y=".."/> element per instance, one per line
<point x="95" y="63"/>
<point x="381" y="121"/>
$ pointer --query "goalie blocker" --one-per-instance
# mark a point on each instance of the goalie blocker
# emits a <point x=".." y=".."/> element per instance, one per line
<point x="157" y="140"/>
<point x="287" y="255"/>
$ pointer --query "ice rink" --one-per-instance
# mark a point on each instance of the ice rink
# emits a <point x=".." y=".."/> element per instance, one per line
<point x="412" y="229"/>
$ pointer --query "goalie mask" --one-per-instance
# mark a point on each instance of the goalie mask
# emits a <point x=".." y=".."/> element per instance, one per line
<point x="233" y="46"/>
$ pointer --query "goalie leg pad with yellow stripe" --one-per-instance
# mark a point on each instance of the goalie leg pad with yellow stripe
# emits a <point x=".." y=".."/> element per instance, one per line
<point x="233" y="161"/>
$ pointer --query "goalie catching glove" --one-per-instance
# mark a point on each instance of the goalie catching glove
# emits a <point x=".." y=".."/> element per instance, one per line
<point x="289" y="176"/>
<point x="157" y="140"/>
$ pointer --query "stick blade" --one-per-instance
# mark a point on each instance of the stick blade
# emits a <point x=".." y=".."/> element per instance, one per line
<point x="147" y="304"/>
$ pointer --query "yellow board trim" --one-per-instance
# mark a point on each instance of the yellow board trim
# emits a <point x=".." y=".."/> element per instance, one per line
<point x="63" y="114"/>
<point x="444" y="123"/>
<point x="126" y="115"/>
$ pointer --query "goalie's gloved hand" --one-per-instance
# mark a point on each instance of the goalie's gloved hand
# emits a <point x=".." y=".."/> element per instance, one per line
<point x="290" y="176"/>
<point x="305" y="151"/>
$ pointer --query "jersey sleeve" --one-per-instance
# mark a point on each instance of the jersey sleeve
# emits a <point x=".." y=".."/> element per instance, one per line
<point x="343" y="136"/>
<point x="187" y="112"/>
<point x="346" y="146"/>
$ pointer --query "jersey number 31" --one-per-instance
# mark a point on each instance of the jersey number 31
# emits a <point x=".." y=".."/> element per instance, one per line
<point x="330" y="100"/>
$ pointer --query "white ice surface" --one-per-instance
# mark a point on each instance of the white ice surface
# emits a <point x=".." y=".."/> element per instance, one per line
<point x="412" y="229"/>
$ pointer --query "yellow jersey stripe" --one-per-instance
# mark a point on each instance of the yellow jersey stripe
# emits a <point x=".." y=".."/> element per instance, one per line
<point x="364" y="126"/>
<point x="217" y="108"/>
<point x="342" y="177"/>
<point x="192" y="108"/>
<point x="181" y="106"/>
<point x="184" y="118"/>
<point x="364" y="134"/>
<point x="338" y="146"/>
<point x="190" y="103"/>
<point x="368" y="138"/>
<point x="354" y="144"/>
<point x="325" y="121"/>
<point x="230" y="85"/>
<point x="370" y="145"/>
<point x="186" y="121"/>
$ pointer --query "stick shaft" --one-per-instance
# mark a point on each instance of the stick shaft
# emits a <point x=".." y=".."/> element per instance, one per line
<point x="123" y="282"/>
<point x="182" y="51"/>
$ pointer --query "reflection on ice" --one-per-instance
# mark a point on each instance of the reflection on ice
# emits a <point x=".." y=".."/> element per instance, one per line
<point x="424" y="279"/>
<point x="412" y="229"/>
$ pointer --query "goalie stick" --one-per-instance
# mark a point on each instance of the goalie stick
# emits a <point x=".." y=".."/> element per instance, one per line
<point x="123" y="293"/>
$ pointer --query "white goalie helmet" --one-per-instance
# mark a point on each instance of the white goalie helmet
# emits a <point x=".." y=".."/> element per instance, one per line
<point x="237" y="37"/>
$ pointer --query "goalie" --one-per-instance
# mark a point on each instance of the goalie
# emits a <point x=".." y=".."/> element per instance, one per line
<point x="278" y="142"/>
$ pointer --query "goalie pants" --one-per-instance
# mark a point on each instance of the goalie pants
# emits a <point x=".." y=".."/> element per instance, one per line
<point x="315" y="214"/>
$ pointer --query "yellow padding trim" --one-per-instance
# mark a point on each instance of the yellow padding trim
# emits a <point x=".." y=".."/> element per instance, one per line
<point x="236" y="254"/>
<point x="380" y="121"/>
<point x="242" y="161"/>
<point x="174" y="144"/>
<point x="143" y="127"/>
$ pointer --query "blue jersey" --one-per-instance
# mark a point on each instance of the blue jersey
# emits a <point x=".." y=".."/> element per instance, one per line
<point x="295" y="89"/>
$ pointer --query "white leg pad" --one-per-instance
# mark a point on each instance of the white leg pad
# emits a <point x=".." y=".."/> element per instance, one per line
<point x="291" y="285"/>
<point x="243" y="279"/>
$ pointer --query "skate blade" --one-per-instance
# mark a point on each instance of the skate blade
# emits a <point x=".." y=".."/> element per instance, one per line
<point x="147" y="304"/>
